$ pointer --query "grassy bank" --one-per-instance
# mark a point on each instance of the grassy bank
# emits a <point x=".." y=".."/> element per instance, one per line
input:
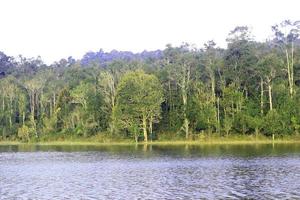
<point x="96" y="140"/>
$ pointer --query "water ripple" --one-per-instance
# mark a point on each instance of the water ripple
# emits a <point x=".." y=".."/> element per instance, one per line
<point x="105" y="175"/>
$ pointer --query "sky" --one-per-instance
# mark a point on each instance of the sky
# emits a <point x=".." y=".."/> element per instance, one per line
<point x="55" y="29"/>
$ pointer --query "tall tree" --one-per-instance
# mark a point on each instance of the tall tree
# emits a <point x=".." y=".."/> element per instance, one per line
<point x="182" y="64"/>
<point x="285" y="36"/>
<point x="269" y="68"/>
<point x="139" y="97"/>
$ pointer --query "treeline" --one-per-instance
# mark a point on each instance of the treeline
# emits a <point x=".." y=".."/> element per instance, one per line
<point x="250" y="87"/>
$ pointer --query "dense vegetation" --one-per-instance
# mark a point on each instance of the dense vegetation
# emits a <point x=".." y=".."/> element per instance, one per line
<point x="181" y="92"/>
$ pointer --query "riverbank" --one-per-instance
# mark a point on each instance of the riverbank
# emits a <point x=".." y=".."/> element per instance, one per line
<point x="231" y="140"/>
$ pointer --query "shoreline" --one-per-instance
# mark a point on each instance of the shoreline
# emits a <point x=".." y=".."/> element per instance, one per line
<point x="169" y="142"/>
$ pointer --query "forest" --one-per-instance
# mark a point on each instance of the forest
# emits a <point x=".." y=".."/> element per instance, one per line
<point x="248" y="88"/>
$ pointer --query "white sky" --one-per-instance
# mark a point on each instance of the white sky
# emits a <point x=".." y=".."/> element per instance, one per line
<point x="56" y="29"/>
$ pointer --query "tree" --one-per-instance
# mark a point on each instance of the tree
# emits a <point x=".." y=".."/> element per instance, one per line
<point x="63" y="109"/>
<point x="34" y="87"/>
<point x="83" y="95"/>
<point x="203" y="108"/>
<point x="232" y="103"/>
<point x="285" y="36"/>
<point x="239" y="57"/>
<point x="239" y="89"/>
<point x="8" y="90"/>
<point x="273" y="123"/>
<point x="212" y="60"/>
<point x="139" y="97"/>
<point x="6" y="64"/>
<point x="269" y="67"/>
<point x="108" y="86"/>
<point x="182" y="63"/>
<point x="240" y="33"/>
<point x="256" y="123"/>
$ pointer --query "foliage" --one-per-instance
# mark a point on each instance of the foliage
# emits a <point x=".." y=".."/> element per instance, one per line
<point x="24" y="133"/>
<point x="249" y="88"/>
<point x="139" y="97"/>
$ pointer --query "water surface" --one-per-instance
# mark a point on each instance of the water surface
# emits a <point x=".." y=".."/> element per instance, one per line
<point x="150" y="172"/>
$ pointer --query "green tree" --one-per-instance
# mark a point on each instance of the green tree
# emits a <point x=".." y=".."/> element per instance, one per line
<point x="182" y="66"/>
<point x="139" y="97"/>
<point x="285" y="36"/>
<point x="270" y="68"/>
<point x="273" y="123"/>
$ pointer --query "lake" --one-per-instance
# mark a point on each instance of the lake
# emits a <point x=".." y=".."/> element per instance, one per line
<point x="150" y="172"/>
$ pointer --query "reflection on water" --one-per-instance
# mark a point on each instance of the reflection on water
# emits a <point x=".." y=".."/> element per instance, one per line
<point x="150" y="172"/>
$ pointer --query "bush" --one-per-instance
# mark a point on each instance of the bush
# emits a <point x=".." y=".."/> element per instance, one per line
<point x="24" y="133"/>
